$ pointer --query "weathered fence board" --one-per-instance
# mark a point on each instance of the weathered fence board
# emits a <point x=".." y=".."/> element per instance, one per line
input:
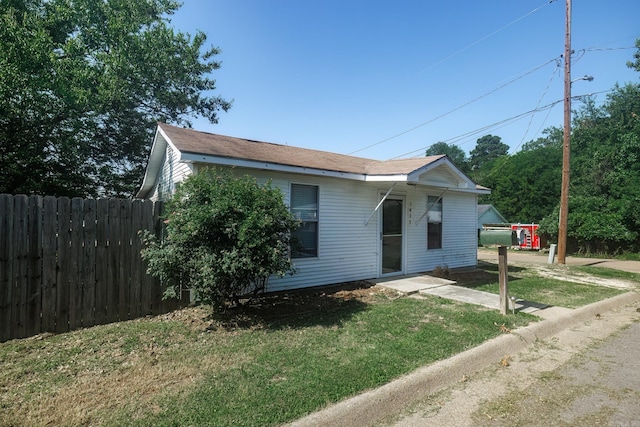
<point x="89" y="263"/>
<point x="113" y="259"/>
<point x="123" y="265"/>
<point x="102" y="267"/>
<point x="75" y="278"/>
<point x="63" y="265"/>
<point x="6" y="264"/>
<point x="49" y="263"/>
<point x="20" y="247"/>
<point x="34" y="267"/>
<point x="71" y="263"/>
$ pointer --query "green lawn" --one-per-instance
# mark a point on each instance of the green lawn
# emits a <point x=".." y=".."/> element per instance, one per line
<point x="527" y="283"/>
<point x="288" y="355"/>
<point x="172" y="370"/>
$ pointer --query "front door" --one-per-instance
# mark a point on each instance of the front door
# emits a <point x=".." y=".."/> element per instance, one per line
<point x="391" y="234"/>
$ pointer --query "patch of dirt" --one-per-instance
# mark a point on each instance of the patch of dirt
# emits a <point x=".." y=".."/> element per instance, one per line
<point x="263" y="310"/>
<point x="578" y="277"/>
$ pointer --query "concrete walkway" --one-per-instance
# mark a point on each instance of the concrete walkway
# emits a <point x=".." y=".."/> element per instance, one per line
<point x="424" y="284"/>
<point x="429" y="285"/>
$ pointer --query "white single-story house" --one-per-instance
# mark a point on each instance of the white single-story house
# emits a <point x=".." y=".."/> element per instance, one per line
<point x="361" y="218"/>
<point x="488" y="214"/>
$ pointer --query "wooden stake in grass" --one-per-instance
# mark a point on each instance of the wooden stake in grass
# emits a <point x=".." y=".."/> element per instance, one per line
<point x="504" y="279"/>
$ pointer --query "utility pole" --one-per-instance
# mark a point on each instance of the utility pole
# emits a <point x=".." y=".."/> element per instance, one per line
<point x="566" y="150"/>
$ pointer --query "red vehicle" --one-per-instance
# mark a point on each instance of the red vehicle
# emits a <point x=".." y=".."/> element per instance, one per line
<point x="527" y="236"/>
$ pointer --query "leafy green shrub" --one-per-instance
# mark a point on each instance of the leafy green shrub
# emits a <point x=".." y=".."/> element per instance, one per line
<point x="225" y="236"/>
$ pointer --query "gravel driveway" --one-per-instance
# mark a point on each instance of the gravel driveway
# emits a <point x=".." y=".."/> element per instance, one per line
<point x="534" y="257"/>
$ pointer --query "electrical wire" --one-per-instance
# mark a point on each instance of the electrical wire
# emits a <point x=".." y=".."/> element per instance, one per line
<point x="500" y="123"/>
<point x="485" y="37"/>
<point x="459" y="107"/>
<point x="544" y="93"/>
<point x="497" y="124"/>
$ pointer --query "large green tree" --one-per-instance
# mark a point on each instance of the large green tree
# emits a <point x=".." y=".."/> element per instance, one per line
<point x="525" y="187"/>
<point x="455" y="154"/>
<point x="82" y="85"/>
<point x="605" y="165"/>
<point x="488" y="148"/>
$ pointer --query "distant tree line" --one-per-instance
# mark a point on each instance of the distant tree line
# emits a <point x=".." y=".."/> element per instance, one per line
<point x="604" y="202"/>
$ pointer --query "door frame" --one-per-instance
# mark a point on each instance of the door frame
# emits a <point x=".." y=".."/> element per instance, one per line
<point x="403" y="260"/>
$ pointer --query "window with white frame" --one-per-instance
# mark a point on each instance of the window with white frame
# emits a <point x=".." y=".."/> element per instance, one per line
<point x="304" y="207"/>
<point x="434" y="222"/>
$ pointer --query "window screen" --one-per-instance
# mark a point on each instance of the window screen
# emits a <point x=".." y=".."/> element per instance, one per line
<point x="434" y="222"/>
<point x="304" y="206"/>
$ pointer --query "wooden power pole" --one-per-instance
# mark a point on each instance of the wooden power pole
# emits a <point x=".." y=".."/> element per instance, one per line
<point x="566" y="149"/>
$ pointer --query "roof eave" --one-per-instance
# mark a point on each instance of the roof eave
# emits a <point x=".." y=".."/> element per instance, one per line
<point x="154" y="163"/>
<point x="255" y="164"/>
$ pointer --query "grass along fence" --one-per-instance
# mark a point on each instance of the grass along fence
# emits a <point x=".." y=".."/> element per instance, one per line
<point x="70" y="263"/>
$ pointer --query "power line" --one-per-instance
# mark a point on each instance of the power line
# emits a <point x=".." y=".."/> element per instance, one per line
<point x="482" y="129"/>
<point x="538" y="105"/>
<point x="459" y="107"/>
<point x="485" y="37"/>
<point x="594" y="49"/>
<point x="497" y="124"/>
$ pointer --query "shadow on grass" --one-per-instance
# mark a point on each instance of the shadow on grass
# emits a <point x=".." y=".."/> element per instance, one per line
<point x="486" y="273"/>
<point x="327" y="306"/>
<point x="330" y="305"/>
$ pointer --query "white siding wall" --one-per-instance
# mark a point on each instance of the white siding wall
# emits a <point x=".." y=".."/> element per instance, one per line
<point x="171" y="173"/>
<point x="459" y="233"/>
<point x="349" y="250"/>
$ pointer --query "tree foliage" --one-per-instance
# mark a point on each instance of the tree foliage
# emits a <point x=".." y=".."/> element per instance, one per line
<point x="82" y="85"/>
<point x="604" y="194"/>
<point x="225" y="237"/>
<point x="488" y="148"/>
<point x="526" y="186"/>
<point x="636" y="56"/>
<point x="604" y="207"/>
<point x="455" y="154"/>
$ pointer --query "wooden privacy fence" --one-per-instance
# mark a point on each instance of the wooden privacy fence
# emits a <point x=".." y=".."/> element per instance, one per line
<point x="71" y="263"/>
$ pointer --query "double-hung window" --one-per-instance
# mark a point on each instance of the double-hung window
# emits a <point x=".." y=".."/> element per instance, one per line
<point x="304" y="206"/>
<point x="434" y="222"/>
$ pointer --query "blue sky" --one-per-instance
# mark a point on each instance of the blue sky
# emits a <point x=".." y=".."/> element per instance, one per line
<point x="342" y="75"/>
